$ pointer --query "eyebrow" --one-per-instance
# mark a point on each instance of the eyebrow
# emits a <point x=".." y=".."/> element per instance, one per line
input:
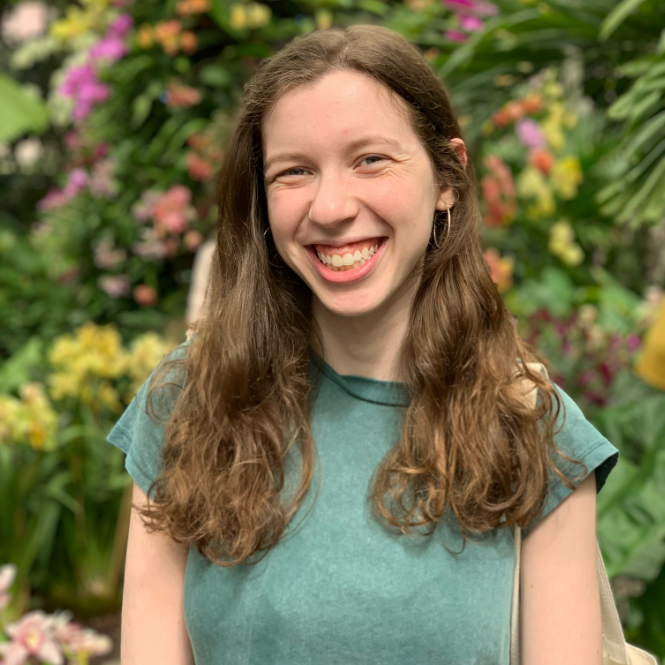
<point x="351" y="145"/>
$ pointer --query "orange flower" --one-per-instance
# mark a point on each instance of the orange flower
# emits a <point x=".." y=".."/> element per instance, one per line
<point x="532" y="104"/>
<point x="501" y="269"/>
<point x="181" y="96"/>
<point x="542" y="159"/>
<point x="167" y="34"/>
<point x="145" y="295"/>
<point x="188" y="42"/>
<point x="186" y="7"/>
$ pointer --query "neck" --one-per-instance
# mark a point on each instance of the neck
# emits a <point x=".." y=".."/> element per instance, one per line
<point x="367" y="345"/>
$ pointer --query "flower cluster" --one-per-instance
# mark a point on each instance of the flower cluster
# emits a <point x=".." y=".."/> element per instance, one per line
<point x="204" y="157"/>
<point x="252" y="15"/>
<point x="145" y="352"/>
<point x="595" y="353"/>
<point x="90" y="170"/>
<point x="501" y="268"/>
<point x="50" y="638"/>
<point x="84" y="365"/>
<point x="178" y="95"/>
<point x="171" y="213"/>
<point x="498" y="192"/>
<point x="30" y="420"/>
<point x="562" y="243"/>
<point x="468" y="14"/>
<point x="169" y="35"/>
<point x="187" y="7"/>
<point x="26" y="21"/>
<point x="81" y="82"/>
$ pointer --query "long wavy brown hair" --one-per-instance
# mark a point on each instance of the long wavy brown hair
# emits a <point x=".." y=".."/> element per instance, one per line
<point x="470" y="444"/>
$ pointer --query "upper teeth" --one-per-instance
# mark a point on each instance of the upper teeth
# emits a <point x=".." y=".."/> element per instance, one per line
<point x="348" y="259"/>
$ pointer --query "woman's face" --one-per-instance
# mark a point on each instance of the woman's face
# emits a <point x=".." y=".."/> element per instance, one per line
<point x="345" y="172"/>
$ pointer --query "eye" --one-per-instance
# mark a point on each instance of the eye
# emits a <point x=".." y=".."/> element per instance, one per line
<point x="288" y="171"/>
<point x="379" y="157"/>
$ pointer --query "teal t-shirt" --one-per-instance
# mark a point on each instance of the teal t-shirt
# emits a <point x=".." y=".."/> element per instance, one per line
<point x="342" y="589"/>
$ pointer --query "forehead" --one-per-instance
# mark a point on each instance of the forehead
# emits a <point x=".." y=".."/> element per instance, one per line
<point x="343" y="105"/>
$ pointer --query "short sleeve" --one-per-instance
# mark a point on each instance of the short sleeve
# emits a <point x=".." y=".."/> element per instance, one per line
<point x="138" y="436"/>
<point x="580" y="440"/>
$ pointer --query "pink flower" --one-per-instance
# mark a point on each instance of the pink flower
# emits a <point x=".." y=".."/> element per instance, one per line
<point x="172" y="212"/>
<point x="7" y="575"/>
<point x="109" y="48"/>
<point x="145" y="295"/>
<point x="150" y="247"/>
<point x="472" y="7"/>
<point x="121" y="26"/>
<point x="455" y="36"/>
<point x="115" y="286"/>
<point x="76" y="183"/>
<point x="106" y="257"/>
<point x="82" y="85"/>
<point x="633" y="342"/>
<point x="31" y="636"/>
<point x="93" y="93"/>
<point x="77" y="640"/>
<point x="142" y="210"/>
<point x="471" y="23"/>
<point x="26" y="21"/>
<point x="529" y="133"/>
<point x="75" y="78"/>
<point x="101" y="181"/>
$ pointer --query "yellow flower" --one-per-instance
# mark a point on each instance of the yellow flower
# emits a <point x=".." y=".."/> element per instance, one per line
<point x="562" y="244"/>
<point x="258" y="14"/>
<point x="30" y="420"/>
<point x="551" y="128"/>
<point x="145" y="37"/>
<point x="79" y="21"/>
<point x="238" y="16"/>
<point x="569" y="120"/>
<point x="108" y="396"/>
<point x="566" y="175"/>
<point x="323" y="19"/>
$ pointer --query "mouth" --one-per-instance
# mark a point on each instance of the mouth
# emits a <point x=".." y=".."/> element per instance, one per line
<point x="345" y="260"/>
<point x="354" y="267"/>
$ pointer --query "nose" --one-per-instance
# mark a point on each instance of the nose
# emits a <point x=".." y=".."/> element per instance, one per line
<point x="333" y="201"/>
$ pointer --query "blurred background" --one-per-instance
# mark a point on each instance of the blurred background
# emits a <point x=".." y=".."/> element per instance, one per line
<point x="113" y="120"/>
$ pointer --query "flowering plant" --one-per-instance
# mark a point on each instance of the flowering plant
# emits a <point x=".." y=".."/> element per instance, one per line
<point x="58" y="475"/>
<point x="42" y="638"/>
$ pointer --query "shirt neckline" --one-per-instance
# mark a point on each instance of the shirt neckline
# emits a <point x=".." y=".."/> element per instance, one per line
<point x="387" y="393"/>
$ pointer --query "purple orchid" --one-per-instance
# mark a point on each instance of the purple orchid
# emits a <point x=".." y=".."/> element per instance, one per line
<point x="471" y="23"/>
<point x="121" y="26"/>
<point x="456" y="36"/>
<point x="109" y="48"/>
<point x="529" y="133"/>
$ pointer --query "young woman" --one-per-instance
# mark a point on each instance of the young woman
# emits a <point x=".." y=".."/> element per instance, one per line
<point x="354" y="330"/>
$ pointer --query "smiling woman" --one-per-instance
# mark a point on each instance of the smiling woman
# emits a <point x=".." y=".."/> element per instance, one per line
<point x="353" y="322"/>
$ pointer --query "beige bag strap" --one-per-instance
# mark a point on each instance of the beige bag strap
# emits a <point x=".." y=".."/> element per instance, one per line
<point x="615" y="649"/>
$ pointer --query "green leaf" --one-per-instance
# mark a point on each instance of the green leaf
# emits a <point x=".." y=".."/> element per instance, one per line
<point x="216" y="76"/>
<point x="19" y="112"/>
<point x="18" y="369"/>
<point x="616" y="17"/>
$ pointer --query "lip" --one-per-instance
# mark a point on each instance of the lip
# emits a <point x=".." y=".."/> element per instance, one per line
<point x="347" y="276"/>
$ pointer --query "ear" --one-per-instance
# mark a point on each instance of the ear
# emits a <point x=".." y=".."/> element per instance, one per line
<point x="446" y="197"/>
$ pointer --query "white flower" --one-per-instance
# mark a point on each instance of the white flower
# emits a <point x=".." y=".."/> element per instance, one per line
<point x="28" y="19"/>
<point x="28" y="151"/>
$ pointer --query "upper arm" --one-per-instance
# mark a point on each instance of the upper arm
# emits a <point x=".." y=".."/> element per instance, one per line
<point x="153" y="622"/>
<point x="560" y="615"/>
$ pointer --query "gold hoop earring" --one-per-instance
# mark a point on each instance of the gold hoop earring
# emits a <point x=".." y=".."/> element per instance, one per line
<point x="436" y="242"/>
